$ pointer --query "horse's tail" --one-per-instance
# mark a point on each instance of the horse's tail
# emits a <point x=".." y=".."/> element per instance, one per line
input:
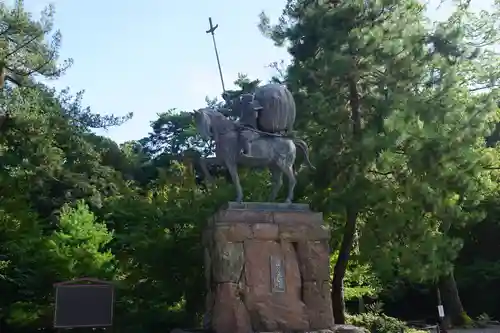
<point x="302" y="145"/>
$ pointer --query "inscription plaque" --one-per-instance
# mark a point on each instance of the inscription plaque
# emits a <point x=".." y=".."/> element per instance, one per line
<point x="277" y="275"/>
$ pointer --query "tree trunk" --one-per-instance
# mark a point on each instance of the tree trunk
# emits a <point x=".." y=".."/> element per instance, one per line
<point x="351" y="213"/>
<point x="338" y="304"/>
<point x="453" y="309"/>
<point x="2" y="76"/>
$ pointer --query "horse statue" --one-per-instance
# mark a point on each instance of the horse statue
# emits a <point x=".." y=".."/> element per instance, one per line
<point x="271" y="150"/>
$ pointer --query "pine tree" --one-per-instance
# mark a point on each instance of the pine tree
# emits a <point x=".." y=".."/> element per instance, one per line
<point x="25" y="51"/>
<point x="397" y="134"/>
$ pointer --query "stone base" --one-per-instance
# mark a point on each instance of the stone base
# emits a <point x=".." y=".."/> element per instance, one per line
<point x="267" y="269"/>
<point x="336" y="329"/>
<point x="349" y="329"/>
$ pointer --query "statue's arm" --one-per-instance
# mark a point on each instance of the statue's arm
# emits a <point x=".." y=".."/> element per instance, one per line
<point x="226" y="111"/>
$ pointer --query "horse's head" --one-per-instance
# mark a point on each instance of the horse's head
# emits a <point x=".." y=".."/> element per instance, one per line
<point x="203" y="123"/>
<point x="210" y="122"/>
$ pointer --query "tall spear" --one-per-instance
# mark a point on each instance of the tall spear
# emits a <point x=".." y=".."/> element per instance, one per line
<point x="211" y="31"/>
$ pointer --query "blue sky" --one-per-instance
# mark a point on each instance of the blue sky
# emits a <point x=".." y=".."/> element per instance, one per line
<point x="151" y="56"/>
<point x="155" y="56"/>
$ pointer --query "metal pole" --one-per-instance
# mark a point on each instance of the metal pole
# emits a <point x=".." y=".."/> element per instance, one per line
<point x="211" y="31"/>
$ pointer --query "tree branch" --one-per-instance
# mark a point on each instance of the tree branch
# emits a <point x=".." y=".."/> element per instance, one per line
<point x="34" y="70"/>
<point x="492" y="167"/>
<point x="381" y="173"/>
<point x="23" y="45"/>
<point x="12" y="79"/>
<point x="488" y="86"/>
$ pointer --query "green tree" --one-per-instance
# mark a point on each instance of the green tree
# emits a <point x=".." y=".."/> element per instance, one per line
<point x="25" y="51"/>
<point x="398" y="138"/>
<point x="47" y="163"/>
<point x="34" y="259"/>
<point x="78" y="247"/>
<point x="173" y="134"/>
<point x="158" y="246"/>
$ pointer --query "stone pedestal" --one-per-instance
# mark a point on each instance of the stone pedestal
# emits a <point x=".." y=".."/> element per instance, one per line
<point x="267" y="269"/>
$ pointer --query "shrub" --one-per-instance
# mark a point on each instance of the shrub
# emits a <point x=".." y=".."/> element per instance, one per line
<point x="380" y="323"/>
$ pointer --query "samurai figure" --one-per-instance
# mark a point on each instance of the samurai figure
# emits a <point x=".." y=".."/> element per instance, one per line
<point x="269" y="109"/>
<point x="250" y="108"/>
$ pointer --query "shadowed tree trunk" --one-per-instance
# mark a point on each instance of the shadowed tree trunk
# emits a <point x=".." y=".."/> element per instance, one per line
<point x="337" y="295"/>
<point x="351" y="214"/>
<point x="453" y="309"/>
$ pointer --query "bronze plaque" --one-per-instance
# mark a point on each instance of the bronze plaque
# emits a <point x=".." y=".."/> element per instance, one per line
<point x="84" y="305"/>
<point x="277" y="275"/>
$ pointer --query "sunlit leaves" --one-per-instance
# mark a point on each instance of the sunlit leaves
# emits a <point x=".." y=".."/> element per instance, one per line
<point x="79" y="244"/>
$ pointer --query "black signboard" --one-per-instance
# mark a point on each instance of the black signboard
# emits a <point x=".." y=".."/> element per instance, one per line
<point x="84" y="305"/>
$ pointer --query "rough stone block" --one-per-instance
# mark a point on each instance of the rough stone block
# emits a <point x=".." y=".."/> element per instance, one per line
<point x="268" y="206"/>
<point x="208" y="268"/>
<point x="265" y="231"/>
<point x="320" y="232"/>
<point x="293" y="232"/>
<point x="314" y="260"/>
<point x="303" y="231"/>
<point x="234" y="232"/>
<point x="250" y="246"/>
<point x="281" y="315"/>
<point x="257" y="269"/>
<point x="228" y="262"/>
<point x="207" y="237"/>
<point x="298" y="218"/>
<point x="229" y="313"/>
<point x="317" y="298"/>
<point x="273" y="311"/>
<point x="348" y="329"/>
<point x="243" y="216"/>
<point x="292" y="277"/>
<point x="210" y="301"/>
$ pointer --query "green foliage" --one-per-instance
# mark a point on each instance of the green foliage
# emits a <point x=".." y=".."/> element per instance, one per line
<point x="397" y="114"/>
<point x="35" y="262"/>
<point x="419" y="175"/>
<point x="359" y="281"/>
<point x="78" y="245"/>
<point x="24" y="47"/>
<point x="483" y="320"/>
<point x="173" y="133"/>
<point x="424" y="161"/>
<point x="245" y="85"/>
<point x="380" y="323"/>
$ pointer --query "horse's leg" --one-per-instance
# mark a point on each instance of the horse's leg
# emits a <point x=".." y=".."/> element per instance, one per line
<point x="276" y="180"/>
<point x="204" y="169"/>
<point x="287" y="169"/>
<point x="233" y="171"/>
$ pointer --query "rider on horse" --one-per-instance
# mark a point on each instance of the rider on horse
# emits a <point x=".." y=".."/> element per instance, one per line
<point x="248" y="121"/>
<point x="270" y="109"/>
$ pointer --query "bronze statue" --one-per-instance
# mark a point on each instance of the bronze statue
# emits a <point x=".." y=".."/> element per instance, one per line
<point x="248" y="120"/>
<point x="274" y="104"/>
<point x="264" y="149"/>
<point x="270" y="109"/>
